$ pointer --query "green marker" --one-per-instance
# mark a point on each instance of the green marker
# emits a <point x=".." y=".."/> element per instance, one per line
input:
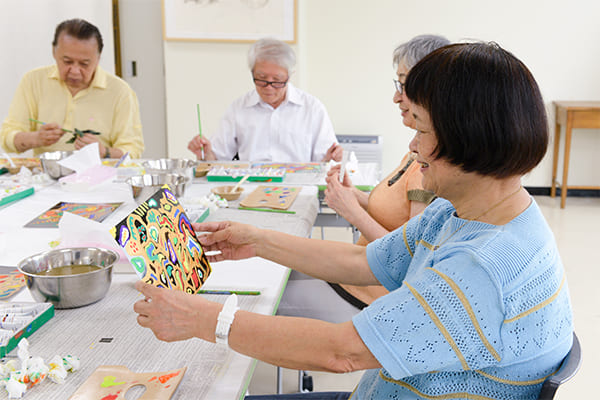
<point x="226" y="291"/>
<point x="267" y="210"/>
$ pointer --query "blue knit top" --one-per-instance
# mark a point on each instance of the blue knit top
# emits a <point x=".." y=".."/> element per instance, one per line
<point x="484" y="316"/>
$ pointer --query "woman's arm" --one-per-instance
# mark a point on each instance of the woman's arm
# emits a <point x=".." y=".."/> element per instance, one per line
<point x="331" y="261"/>
<point x="298" y="343"/>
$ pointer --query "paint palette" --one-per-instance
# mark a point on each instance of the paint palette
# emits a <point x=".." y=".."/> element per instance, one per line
<point x="10" y="192"/>
<point x="276" y="197"/>
<point x="111" y="382"/>
<point x="226" y="174"/>
<point x="292" y="168"/>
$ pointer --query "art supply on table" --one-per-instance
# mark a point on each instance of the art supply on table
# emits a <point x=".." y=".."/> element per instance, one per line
<point x="111" y="382"/>
<point x="11" y="282"/>
<point x="267" y="210"/>
<point x="123" y="157"/>
<point x="230" y="291"/>
<point x="10" y="192"/>
<point x="200" y="128"/>
<point x="274" y="197"/>
<point x="229" y="174"/>
<point x="161" y="244"/>
<point x="21" y="320"/>
<point x="345" y="155"/>
<point x="235" y="188"/>
<point x="12" y="163"/>
<point x="51" y="217"/>
<point x="292" y="168"/>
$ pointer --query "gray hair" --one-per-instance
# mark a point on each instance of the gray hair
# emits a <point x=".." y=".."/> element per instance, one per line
<point x="411" y="52"/>
<point x="274" y="51"/>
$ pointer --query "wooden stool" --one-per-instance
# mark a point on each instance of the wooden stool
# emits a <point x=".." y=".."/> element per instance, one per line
<point x="571" y="114"/>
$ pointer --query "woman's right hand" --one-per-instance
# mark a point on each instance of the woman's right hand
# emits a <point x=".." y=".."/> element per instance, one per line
<point x="340" y="197"/>
<point x="233" y="240"/>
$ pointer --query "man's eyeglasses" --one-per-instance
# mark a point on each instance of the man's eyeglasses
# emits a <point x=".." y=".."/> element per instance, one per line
<point x="399" y="86"/>
<point x="263" y="83"/>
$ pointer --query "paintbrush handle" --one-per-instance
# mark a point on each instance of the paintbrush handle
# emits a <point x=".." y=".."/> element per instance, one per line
<point x="233" y="190"/>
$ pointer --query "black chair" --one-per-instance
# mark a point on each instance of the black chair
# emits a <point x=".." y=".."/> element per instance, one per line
<point x="567" y="370"/>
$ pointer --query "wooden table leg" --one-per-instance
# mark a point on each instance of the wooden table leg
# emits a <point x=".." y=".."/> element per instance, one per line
<point x="568" y="130"/>
<point x="555" y="158"/>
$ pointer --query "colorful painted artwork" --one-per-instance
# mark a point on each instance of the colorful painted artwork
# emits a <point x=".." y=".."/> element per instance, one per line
<point x="292" y="168"/>
<point x="94" y="211"/>
<point x="220" y="173"/>
<point x="11" y="282"/>
<point x="277" y="197"/>
<point x="161" y="244"/>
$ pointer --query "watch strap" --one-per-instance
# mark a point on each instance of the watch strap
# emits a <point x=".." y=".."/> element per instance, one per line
<point x="225" y="319"/>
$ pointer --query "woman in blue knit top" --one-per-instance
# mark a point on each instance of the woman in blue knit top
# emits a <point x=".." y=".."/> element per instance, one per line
<point x="478" y="305"/>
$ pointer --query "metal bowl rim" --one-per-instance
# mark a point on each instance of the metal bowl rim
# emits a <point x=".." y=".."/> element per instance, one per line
<point x="46" y="253"/>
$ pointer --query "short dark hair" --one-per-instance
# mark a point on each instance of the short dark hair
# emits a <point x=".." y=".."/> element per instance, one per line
<point x="486" y="108"/>
<point x="79" y="28"/>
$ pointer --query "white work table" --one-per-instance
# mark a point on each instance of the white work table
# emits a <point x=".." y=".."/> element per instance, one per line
<point x="213" y="372"/>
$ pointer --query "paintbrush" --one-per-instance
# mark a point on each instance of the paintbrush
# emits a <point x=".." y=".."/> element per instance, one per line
<point x="235" y="188"/>
<point x="200" y="128"/>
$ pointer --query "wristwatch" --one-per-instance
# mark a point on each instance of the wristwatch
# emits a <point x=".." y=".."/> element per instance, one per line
<point x="107" y="152"/>
<point x="225" y="319"/>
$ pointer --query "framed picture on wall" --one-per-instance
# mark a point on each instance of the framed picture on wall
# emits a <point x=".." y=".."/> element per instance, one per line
<point x="229" y="20"/>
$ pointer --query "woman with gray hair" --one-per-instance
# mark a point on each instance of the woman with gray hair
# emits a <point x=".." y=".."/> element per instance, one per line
<point x="388" y="206"/>
<point x="275" y="121"/>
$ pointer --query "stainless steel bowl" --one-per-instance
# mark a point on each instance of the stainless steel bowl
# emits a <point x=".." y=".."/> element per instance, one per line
<point x="51" y="166"/>
<point x="170" y="166"/>
<point x="144" y="186"/>
<point x="69" y="291"/>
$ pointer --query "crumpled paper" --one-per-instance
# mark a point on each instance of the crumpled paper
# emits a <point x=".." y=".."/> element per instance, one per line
<point x="88" y="168"/>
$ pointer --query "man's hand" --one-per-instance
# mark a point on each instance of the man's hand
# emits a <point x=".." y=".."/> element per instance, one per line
<point x="334" y="152"/>
<point x="48" y="134"/>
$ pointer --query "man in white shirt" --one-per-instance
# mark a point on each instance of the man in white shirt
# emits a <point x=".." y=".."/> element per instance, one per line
<point x="274" y="122"/>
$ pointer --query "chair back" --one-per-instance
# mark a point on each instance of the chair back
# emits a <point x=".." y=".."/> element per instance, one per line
<point x="567" y="370"/>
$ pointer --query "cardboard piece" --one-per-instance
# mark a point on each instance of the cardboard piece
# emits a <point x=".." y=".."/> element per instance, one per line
<point x="276" y="197"/>
<point x="113" y="381"/>
<point x="161" y="244"/>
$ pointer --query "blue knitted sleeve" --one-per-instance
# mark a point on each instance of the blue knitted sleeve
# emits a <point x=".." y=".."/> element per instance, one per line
<point x="447" y="318"/>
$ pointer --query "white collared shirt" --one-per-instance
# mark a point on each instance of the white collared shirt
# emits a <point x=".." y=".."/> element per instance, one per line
<point x="299" y="130"/>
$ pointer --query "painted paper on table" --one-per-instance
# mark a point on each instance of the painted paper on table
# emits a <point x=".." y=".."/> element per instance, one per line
<point x="161" y="244"/>
<point x="94" y="211"/>
<point x="11" y="282"/>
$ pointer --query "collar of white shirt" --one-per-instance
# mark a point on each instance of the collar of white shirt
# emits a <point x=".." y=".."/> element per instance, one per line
<point x="293" y="95"/>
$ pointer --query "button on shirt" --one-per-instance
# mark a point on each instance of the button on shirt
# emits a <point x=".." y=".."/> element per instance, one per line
<point x="299" y="130"/>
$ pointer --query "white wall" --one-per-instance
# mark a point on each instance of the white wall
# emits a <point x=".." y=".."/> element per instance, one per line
<point x="344" y="49"/>
<point x="26" y="33"/>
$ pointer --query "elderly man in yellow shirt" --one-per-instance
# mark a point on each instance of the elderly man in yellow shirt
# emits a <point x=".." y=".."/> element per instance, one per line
<point x="76" y="93"/>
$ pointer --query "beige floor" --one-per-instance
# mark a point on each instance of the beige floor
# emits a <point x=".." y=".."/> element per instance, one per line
<point x="576" y="229"/>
